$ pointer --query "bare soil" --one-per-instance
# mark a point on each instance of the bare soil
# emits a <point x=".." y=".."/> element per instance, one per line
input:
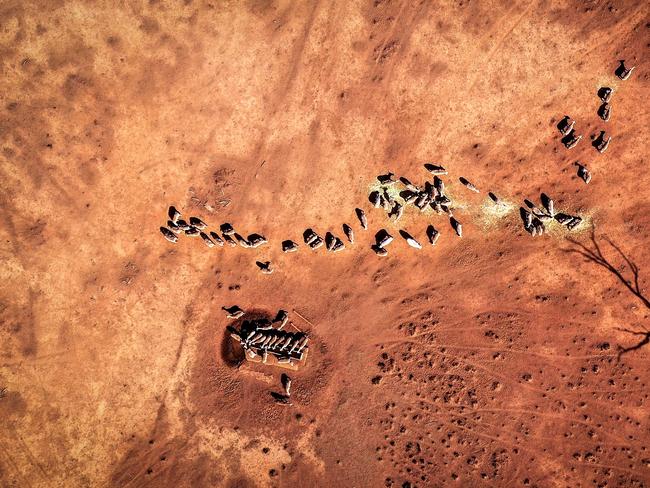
<point x="495" y="359"/>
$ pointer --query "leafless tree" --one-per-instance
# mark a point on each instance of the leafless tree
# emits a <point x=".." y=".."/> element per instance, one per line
<point x="595" y="254"/>
<point x="645" y="340"/>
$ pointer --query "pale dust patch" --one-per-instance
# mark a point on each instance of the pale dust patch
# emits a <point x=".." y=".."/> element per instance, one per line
<point x="611" y="81"/>
<point x="559" y="231"/>
<point x="306" y="448"/>
<point x="260" y="376"/>
<point x="492" y="214"/>
<point x="218" y="442"/>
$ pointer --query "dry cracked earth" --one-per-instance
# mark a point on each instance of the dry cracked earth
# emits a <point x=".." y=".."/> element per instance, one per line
<point x="495" y="359"/>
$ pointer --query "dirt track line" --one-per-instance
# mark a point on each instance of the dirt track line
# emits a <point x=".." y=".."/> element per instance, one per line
<point x="509" y="31"/>
<point x="303" y="318"/>
<point x="397" y="342"/>
<point x="630" y="20"/>
<point x="286" y="83"/>
<point x="13" y="464"/>
<point x="391" y="31"/>
<point x="480" y="434"/>
<point x="419" y="11"/>
<point x="500" y="42"/>
<point x="497" y="375"/>
<point x="541" y="414"/>
<point x="44" y="357"/>
<point x="29" y="454"/>
<point x="629" y="470"/>
<point x="520" y="446"/>
<point x="550" y="395"/>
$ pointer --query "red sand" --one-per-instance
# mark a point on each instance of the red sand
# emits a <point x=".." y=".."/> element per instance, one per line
<point x="490" y="360"/>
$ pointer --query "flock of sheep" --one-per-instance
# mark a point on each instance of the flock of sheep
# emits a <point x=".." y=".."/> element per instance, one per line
<point x="261" y="340"/>
<point x="566" y="126"/>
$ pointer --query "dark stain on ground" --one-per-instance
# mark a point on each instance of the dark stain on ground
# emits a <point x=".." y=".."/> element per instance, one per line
<point x="232" y="353"/>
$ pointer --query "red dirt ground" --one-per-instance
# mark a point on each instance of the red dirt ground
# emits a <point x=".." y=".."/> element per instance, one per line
<point x="490" y="360"/>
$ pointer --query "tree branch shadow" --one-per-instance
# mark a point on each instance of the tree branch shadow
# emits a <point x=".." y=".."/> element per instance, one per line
<point x="595" y="254"/>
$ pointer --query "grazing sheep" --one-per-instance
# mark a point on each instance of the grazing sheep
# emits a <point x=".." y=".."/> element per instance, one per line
<point x="383" y="238"/>
<point x="583" y="173"/>
<point x="435" y="169"/>
<point x="565" y="126"/>
<point x="457" y="226"/>
<point x="387" y="179"/>
<point x="469" y="185"/>
<point x="329" y="241"/>
<point x="198" y="223"/>
<point x="526" y="217"/>
<point x="233" y="312"/>
<point x="309" y="236"/>
<point x="338" y="245"/>
<point x="571" y="139"/>
<point x="405" y="181"/>
<point x="286" y="383"/>
<point x="548" y="204"/>
<point x="265" y="266"/>
<point x="575" y="221"/>
<point x="410" y="240"/>
<point x="216" y="238"/>
<point x="433" y="235"/>
<point x="379" y="251"/>
<point x="256" y="240"/>
<point x="349" y="233"/>
<point x="601" y="143"/>
<point x="543" y="216"/>
<point x="396" y="211"/>
<point x="315" y="244"/>
<point x="182" y="225"/>
<point x="622" y="72"/>
<point x="282" y="317"/>
<point x="289" y="246"/>
<point x="387" y="203"/>
<point x="563" y="218"/>
<point x="173" y="214"/>
<point x="605" y="94"/>
<point x="422" y="201"/>
<point x="361" y="215"/>
<point x="430" y="190"/>
<point x="375" y="199"/>
<point x="604" y="111"/>
<point x="408" y="196"/>
<point x="208" y="242"/>
<point x="173" y="227"/>
<point x="229" y="240"/>
<point x="227" y="229"/>
<point x="281" y="399"/>
<point x="242" y="242"/>
<point x="443" y="200"/>
<point x="168" y="234"/>
<point x="439" y="185"/>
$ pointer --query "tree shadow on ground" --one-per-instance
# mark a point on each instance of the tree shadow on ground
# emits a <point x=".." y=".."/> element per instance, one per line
<point x="595" y="254"/>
